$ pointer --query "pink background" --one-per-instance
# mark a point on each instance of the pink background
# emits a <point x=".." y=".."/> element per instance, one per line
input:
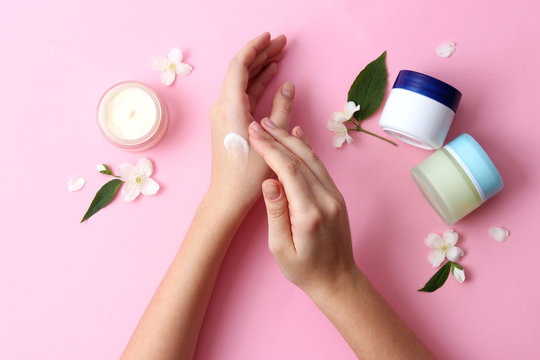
<point x="76" y="291"/>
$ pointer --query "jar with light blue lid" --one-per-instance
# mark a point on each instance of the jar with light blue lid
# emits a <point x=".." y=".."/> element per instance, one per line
<point x="457" y="178"/>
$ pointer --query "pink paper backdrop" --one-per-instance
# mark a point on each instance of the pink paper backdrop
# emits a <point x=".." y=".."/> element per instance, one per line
<point x="76" y="291"/>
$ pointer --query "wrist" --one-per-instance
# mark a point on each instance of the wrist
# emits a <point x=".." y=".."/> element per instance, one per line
<point x="228" y="202"/>
<point x="326" y="294"/>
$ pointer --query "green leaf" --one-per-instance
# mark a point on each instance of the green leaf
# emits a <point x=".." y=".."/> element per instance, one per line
<point x="369" y="87"/>
<point x="438" y="279"/>
<point x="103" y="197"/>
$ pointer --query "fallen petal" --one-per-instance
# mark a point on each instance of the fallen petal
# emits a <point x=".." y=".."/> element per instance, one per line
<point x="445" y="50"/>
<point x="498" y="233"/>
<point x="75" y="183"/>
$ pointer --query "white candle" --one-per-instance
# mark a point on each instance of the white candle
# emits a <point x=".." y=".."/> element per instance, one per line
<point x="131" y="116"/>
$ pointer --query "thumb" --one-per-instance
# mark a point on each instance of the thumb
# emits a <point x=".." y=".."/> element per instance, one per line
<point x="279" y="224"/>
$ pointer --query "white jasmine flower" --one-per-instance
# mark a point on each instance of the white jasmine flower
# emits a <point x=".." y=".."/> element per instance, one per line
<point x="443" y="247"/>
<point x="75" y="183"/>
<point x="445" y="50"/>
<point x="348" y="111"/>
<point x="498" y="233"/>
<point x="457" y="273"/>
<point x="137" y="179"/>
<point x="340" y="131"/>
<point x="101" y="167"/>
<point x="172" y="66"/>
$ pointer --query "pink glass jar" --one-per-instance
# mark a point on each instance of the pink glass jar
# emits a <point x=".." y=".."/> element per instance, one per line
<point x="131" y="116"/>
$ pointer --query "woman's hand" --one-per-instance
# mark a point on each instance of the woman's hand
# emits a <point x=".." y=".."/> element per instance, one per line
<point x="309" y="233"/>
<point x="237" y="176"/>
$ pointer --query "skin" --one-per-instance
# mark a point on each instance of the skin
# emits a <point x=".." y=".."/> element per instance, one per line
<point x="309" y="233"/>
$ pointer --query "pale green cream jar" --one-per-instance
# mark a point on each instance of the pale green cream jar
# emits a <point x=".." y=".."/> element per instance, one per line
<point x="457" y="178"/>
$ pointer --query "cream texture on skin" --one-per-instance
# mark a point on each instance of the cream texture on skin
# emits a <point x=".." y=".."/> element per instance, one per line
<point x="237" y="148"/>
<point x="130" y="113"/>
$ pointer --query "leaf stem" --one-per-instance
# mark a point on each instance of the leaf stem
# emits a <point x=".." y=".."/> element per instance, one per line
<point x="359" y="128"/>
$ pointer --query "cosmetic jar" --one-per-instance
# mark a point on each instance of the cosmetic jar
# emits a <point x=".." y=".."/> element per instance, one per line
<point x="457" y="178"/>
<point x="419" y="110"/>
<point x="131" y="116"/>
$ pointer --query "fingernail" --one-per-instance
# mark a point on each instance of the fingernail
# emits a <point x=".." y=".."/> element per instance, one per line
<point x="300" y="132"/>
<point x="288" y="90"/>
<point x="255" y="126"/>
<point x="269" y="123"/>
<point x="271" y="191"/>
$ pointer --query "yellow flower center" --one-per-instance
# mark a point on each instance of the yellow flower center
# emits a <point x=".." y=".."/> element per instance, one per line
<point x="138" y="180"/>
<point x="170" y="66"/>
<point x="443" y="248"/>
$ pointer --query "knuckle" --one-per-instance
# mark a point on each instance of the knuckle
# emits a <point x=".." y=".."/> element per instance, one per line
<point x="333" y="208"/>
<point x="313" y="156"/>
<point x="312" y="219"/>
<point x="292" y="166"/>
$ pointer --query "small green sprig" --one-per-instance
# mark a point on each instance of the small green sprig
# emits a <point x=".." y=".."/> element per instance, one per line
<point x="441" y="276"/>
<point x="105" y="194"/>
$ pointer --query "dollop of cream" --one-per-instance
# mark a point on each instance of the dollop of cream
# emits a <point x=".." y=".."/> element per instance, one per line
<point x="130" y="113"/>
<point x="237" y="148"/>
<point x="445" y="50"/>
<point x="498" y="233"/>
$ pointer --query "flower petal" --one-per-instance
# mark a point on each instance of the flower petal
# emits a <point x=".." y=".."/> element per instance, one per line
<point x="126" y="171"/>
<point x="432" y="240"/>
<point x="348" y="138"/>
<point x="183" y="69"/>
<point x="450" y="237"/>
<point x="458" y="274"/>
<point x="454" y="253"/>
<point x="144" y="167"/>
<point x="498" y="233"/>
<point x="175" y="55"/>
<point x="338" y="140"/>
<point x="436" y="258"/>
<point x="150" y="187"/>
<point x="167" y="77"/>
<point x="101" y="167"/>
<point x="130" y="191"/>
<point x="349" y="109"/>
<point x="445" y="50"/>
<point x="339" y="116"/>
<point x="159" y="63"/>
<point x="75" y="183"/>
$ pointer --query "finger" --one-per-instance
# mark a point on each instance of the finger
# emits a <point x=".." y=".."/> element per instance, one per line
<point x="256" y="89"/>
<point x="279" y="224"/>
<point x="276" y="45"/>
<point x="299" y="133"/>
<point x="238" y="75"/>
<point x="256" y="70"/>
<point x="301" y="186"/>
<point x="302" y="151"/>
<point x="282" y="105"/>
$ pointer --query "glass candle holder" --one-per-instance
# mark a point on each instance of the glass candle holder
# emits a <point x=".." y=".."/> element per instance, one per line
<point x="457" y="178"/>
<point x="131" y="116"/>
<point x="419" y="110"/>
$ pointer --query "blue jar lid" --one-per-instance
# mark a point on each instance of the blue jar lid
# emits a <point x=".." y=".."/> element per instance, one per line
<point x="430" y="87"/>
<point x="477" y="164"/>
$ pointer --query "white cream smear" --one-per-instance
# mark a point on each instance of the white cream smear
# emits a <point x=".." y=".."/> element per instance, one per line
<point x="237" y="148"/>
<point x="445" y="50"/>
<point x="130" y="114"/>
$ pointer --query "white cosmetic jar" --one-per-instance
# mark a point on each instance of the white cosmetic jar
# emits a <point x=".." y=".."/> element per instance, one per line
<point x="132" y="116"/>
<point x="420" y="110"/>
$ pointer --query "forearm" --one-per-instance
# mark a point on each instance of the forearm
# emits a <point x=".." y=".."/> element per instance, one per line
<point x="367" y="322"/>
<point x="171" y="323"/>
